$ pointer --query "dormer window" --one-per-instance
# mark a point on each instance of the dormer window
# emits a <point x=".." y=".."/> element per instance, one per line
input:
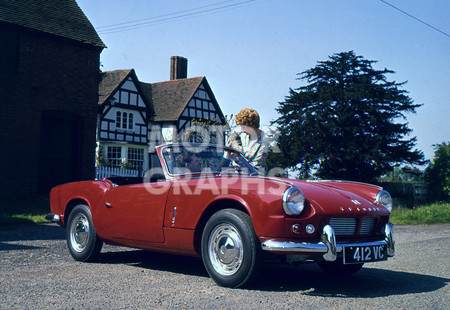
<point x="124" y="120"/>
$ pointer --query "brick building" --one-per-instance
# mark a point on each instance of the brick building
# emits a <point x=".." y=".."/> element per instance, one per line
<point x="49" y="77"/>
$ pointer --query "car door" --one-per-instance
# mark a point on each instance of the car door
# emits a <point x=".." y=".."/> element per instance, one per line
<point x="136" y="212"/>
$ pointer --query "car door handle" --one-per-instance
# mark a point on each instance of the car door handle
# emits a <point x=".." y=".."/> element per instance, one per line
<point x="108" y="205"/>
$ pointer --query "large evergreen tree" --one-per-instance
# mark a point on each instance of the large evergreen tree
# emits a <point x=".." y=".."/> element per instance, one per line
<point x="345" y="123"/>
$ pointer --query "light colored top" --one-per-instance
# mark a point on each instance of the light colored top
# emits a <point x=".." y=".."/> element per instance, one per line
<point x="255" y="151"/>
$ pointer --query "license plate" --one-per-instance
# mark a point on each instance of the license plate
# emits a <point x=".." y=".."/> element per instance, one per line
<point x="364" y="254"/>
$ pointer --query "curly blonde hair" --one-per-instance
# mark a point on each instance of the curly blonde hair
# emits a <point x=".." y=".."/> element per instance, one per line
<point x="248" y="117"/>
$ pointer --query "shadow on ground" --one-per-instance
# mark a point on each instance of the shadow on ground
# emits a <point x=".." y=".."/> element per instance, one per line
<point x="155" y="261"/>
<point x="305" y="278"/>
<point x="32" y="232"/>
<point x="367" y="283"/>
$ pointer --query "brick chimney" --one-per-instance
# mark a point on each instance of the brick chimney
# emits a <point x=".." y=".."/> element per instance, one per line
<point x="178" y="67"/>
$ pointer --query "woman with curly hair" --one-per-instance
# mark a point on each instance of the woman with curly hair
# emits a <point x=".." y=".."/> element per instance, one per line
<point x="251" y="141"/>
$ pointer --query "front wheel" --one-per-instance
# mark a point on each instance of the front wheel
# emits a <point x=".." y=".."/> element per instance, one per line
<point x="338" y="268"/>
<point x="231" y="251"/>
<point x="82" y="240"/>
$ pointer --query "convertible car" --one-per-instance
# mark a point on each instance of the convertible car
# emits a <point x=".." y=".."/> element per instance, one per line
<point x="206" y="200"/>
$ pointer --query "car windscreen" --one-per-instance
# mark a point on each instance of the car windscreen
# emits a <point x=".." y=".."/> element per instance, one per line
<point x="192" y="159"/>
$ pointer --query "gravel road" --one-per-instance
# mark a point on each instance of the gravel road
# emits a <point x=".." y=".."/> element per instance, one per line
<point x="37" y="272"/>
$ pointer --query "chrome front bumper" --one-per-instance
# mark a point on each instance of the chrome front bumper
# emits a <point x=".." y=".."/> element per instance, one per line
<point x="53" y="218"/>
<point x="327" y="246"/>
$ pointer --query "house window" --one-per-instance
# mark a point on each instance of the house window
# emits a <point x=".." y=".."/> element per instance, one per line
<point x="130" y="121"/>
<point x="136" y="157"/>
<point x="114" y="155"/>
<point x="124" y="120"/>
<point x="118" y="119"/>
<point x="213" y="138"/>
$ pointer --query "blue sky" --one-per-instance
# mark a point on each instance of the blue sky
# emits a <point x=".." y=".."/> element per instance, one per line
<point x="251" y="51"/>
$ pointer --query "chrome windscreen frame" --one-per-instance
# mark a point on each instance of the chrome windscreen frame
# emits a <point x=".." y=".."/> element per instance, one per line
<point x="189" y="145"/>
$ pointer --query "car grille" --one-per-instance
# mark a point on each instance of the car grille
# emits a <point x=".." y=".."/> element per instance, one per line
<point x="344" y="226"/>
<point x="368" y="225"/>
<point x="347" y="226"/>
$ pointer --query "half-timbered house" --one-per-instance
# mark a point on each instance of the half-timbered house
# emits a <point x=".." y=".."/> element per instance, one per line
<point x="185" y="109"/>
<point x="123" y="119"/>
<point x="135" y="116"/>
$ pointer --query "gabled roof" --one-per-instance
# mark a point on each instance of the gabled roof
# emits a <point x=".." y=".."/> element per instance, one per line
<point x="170" y="98"/>
<point x="62" y="18"/>
<point x="166" y="100"/>
<point x="109" y="82"/>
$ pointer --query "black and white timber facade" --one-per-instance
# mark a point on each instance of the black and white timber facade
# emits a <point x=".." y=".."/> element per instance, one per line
<point x="134" y="116"/>
<point x="123" y="119"/>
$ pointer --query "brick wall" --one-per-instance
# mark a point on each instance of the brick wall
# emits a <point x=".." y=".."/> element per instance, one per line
<point x="53" y="74"/>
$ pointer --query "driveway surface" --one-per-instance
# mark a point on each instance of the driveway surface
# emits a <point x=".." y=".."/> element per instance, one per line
<point x="37" y="272"/>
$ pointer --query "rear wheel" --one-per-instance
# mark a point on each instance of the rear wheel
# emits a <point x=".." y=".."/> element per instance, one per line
<point x="82" y="240"/>
<point x="230" y="249"/>
<point x="338" y="268"/>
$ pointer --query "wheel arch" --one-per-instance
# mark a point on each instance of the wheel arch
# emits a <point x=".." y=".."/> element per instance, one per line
<point x="211" y="209"/>
<point x="72" y="204"/>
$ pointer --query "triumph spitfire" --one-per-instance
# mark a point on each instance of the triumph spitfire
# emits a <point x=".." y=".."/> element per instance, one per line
<point x="208" y="201"/>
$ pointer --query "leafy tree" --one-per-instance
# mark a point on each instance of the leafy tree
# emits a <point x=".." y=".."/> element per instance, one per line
<point x="403" y="174"/>
<point x="437" y="174"/>
<point x="344" y="123"/>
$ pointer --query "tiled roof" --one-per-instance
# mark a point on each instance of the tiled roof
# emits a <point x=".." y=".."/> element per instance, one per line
<point x="109" y="81"/>
<point x="167" y="99"/>
<point x="171" y="97"/>
<point x="63" y="18"/>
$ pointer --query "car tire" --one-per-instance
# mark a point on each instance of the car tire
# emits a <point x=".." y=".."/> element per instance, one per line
<point x="82" y="240"/>
<point x="231" y="252"/>
<point x="339" y="269"/>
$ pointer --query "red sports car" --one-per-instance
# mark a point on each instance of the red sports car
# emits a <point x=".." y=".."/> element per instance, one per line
<point x="206" y="200"/>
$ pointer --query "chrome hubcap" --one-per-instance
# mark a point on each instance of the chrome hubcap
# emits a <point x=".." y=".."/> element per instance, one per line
<point x="79" y="232"/>
<point x="225" y="249"/>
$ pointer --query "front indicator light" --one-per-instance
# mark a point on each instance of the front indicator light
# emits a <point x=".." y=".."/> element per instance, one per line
<point x="296" y="228"/>
<point x="310" y="229"/>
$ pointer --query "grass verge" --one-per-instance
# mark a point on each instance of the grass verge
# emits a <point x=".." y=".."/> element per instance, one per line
<point x="429" y="214"/>
<point x="24" y="211"/>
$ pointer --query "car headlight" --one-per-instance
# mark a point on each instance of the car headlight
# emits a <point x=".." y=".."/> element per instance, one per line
<point x="385" y="199"/>
<point x="293" y="201"/>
